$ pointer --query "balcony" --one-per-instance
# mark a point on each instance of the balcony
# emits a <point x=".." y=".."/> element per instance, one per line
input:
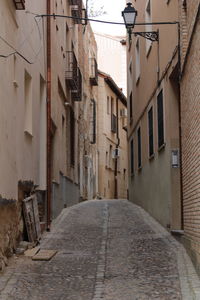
<point x="71" y="73"/>
<point x="76" y="10"/>
<point x="19" y="4"/>
<point x="77" y="93"/>
<point x="113" y="123"/>
<point x="93" y="72"/>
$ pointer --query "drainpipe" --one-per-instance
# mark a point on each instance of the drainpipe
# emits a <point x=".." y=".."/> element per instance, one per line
<point x="48" y="115"/>
<point x="180" y="126"/>
<point x="117" y="146"/>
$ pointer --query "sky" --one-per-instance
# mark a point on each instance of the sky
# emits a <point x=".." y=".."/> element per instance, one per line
<point x="113" y="10"/>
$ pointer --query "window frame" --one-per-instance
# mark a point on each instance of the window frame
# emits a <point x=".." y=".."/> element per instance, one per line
<point x="139" y="143"/>
<point x="160" y="120"/>
<point x="151" y="132"/>
<point x="132" y="157"/>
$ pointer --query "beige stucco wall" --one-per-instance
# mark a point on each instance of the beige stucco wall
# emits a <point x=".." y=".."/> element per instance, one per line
<point x="110" y="51"/>
<point x="107" y="138"/>
<point x="23" y="116"/>
<point x="83" y="173"/>
<point x="155" y="186"/>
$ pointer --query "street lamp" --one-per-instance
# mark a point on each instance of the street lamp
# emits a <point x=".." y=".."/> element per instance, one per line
<point x="129" y="14"/>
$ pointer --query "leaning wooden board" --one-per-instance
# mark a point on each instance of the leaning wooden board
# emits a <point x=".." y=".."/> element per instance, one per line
<point x="31" y="215"/>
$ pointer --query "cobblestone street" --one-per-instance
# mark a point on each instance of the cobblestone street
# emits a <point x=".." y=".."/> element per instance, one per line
<point x="107" y="249"/>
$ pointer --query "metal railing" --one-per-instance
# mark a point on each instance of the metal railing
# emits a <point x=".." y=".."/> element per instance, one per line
<point x="71" y="73"/>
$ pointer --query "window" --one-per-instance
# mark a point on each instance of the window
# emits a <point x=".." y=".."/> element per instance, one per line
<point x="130" y="68"/>
<point x="110" y="157"/>
<point x="107" y="162"/>
<point x="160" y="119"/>
<point x="184" y="3"/>
<point x="19" y="4"/>
<point x="72" y="138"/>
<point x="137" y="61"/>
<point x="139" y="148"/>
<point x="114" y="123"/>
<point x="112" y="105"/>
<point x="108" y="105"/>
<point x="93" y="122"/>
<point x="150" y="124"/>
<point x="131" y="106"/>
<point x="148" y="19"/>
<point x="28" y="126"/>
<point x="132" y="157"/>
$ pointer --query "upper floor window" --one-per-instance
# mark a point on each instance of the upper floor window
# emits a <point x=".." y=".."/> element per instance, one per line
<point x="72" y="137"/>
<point x="148" y="19"/>
<point x="160" y="119"/>
<point x="131" y="106"/>
<point x="150" y="128"/>
<point x="139" y="148"/>
<point x="132" y="156"/>
<point x="108" y="105"/>
<point x="137" y="61"/>
<point x="28" y="121"/>
<point x="19" y="4"/>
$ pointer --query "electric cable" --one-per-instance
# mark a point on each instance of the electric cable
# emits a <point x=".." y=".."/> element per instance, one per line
<point x="22" y="44"/>
<point x="101" y="21"/>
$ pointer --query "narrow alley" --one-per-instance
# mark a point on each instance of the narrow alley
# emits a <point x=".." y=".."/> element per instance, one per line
<point x="106" y="249"/>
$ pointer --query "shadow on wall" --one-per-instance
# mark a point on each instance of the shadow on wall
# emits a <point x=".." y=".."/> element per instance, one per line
<point x="65" y="194"/>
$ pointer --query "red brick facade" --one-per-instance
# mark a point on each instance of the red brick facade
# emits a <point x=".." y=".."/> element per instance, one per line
<point x="190" y="115"/>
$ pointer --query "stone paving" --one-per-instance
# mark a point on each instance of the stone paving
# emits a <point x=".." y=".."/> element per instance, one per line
<point x="107" y="249"/>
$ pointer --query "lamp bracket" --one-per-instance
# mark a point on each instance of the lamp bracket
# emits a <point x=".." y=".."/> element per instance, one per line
<point x="149" y="35"/>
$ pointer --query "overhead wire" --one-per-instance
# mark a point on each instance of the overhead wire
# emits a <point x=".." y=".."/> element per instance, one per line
<point x="16" y="51"/>
<point x="62" y="16"/>
<point x="102" y="21"/>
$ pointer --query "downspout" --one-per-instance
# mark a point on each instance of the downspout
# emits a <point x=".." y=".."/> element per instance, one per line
<point x="117" y="146"/>
<point x="180" y="124"/>
<point x="48" y="115"/>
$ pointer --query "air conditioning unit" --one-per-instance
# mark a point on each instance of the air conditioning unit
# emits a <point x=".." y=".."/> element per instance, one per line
<point x="123" y="113"/>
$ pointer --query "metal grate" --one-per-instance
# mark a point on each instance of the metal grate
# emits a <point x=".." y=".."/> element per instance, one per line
<point x="77" y="93"/>
<point x="71" y="74"/>
<point x="76" y="10"/>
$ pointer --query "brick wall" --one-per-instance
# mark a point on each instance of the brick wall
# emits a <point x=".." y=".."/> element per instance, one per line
<point x="188" y="13"/>
<point x="190" y="114"/>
